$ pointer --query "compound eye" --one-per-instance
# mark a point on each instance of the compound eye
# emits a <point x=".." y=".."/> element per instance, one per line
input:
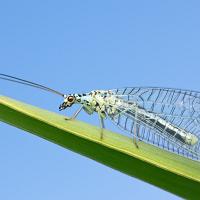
<point x="70" y="99"/>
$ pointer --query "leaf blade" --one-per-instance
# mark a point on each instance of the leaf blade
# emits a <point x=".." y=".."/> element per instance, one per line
<point x="168" y="171"/>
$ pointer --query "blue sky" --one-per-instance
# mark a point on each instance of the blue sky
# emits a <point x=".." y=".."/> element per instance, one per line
<point x="78" y="46"/>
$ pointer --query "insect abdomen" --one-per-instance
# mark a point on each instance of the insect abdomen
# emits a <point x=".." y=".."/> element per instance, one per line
<point x="164" y="127"/>
<point x="181" y="135"/>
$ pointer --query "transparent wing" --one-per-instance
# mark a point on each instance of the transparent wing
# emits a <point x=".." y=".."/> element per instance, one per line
<point x="181" y="108"/>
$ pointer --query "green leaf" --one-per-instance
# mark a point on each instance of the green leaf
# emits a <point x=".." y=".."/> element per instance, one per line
<point x="165" y="170"/>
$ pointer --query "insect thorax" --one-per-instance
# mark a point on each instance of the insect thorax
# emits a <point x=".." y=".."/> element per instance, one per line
<point x="101" y="101"/>
<point x="94" y="100"/>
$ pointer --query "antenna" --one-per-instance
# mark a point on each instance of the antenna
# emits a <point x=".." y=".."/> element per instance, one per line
<point x="29" y="83"/>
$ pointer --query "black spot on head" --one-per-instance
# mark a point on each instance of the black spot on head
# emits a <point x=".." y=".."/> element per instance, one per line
<point x="84" y="94"/>
<point x="79" y="95"/>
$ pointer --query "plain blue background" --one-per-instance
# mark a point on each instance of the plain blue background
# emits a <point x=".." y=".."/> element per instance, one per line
<point x="78" y="46"/>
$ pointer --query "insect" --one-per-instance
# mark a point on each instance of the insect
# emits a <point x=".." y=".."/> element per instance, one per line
<point x="164" y="117"/>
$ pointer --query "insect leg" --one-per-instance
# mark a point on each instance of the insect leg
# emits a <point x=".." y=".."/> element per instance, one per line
<point x="102" y="126"/>
<point x="135" y="129"/>
<point x="76" y="113"/>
